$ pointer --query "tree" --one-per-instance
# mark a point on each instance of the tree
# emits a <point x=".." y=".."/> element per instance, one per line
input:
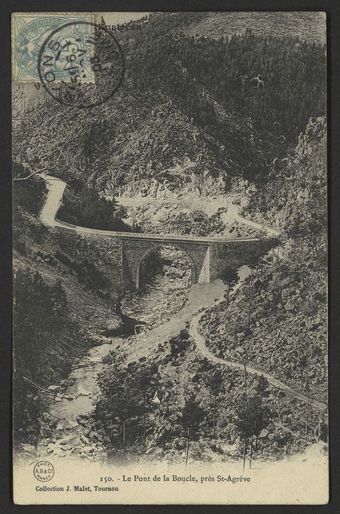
<point x="262" y="387"/>
<point x="126" y="394"/>
<point x="214" y="381"/>
<point x="191" y="417"/>
<point x="89" y="209"/>
<point x="21" y="172"/>
<point x="252" y="417"/>
<point x="45" y="344"/>
<point x="230" y="278"/>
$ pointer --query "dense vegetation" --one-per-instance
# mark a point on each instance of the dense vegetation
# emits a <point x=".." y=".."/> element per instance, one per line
<point x="177" y="406"/>
<point x="60" y="284"/>
<point x="278" y="321"/>
<point x="86" y="208"/>
<point x="89" y="260"/>
<point x="46" y="342"/>
<point x="29" y="194"/>
<point x="198" y="71"/>
<point x="187" y="102"/>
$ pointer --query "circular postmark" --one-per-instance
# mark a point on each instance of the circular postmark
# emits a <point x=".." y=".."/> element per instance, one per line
<point x="43" y="471"/>
<point x="81" y="64"/>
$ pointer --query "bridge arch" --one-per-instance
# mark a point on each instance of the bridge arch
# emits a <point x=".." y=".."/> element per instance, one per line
<point x="163" y="245"/>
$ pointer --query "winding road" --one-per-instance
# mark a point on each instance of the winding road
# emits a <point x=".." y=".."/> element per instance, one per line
<point x="204" y="350"/>
<point x="56" y="188"/>
<point x="188" y="313"/>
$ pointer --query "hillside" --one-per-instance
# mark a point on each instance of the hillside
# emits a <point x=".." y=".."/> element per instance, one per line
<point x="276" y="322"/>
<point x="221" y="108"/>
<point x="279" y="318"/>
<point x="303" y="25"/>
<point x="63" y="298"/>
<point x="306" y="26"/>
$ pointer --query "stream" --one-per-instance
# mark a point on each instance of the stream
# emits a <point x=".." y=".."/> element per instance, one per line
<point x="71" y="407"/>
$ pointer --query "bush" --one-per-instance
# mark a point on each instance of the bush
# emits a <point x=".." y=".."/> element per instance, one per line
<point x="28" y="195"/>
<point x="88" y="209"/>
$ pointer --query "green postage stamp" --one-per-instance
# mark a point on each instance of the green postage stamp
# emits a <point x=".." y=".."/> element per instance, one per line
<point x="30" y="31"/>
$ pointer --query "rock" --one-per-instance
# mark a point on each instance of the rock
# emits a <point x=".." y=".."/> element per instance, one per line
<point x="54" y="388"/>
<point x="68" y="397"/>
<point x="82" y="421"/>
<point x="58" y="450"/>
<point x="58" y="399"/>
<point x="88" y="449"/>
<point x="83" y="392"/>
<point x="264" y="433"/>
<point x="84" y="439"/>
<point x="66" y="447"/>
<point x="71" y="424"/>
<point x="29" y="448"/>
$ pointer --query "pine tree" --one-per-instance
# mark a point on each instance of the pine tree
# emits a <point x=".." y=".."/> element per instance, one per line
<point x="191" y="418"/>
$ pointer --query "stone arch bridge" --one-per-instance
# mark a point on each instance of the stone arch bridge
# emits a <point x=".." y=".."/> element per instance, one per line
<point x="209" y="256"/>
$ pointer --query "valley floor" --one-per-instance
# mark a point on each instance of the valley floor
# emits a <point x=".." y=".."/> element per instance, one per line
<point x="72" y="433"/>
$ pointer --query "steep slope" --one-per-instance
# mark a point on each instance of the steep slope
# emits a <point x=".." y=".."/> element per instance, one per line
<point x="307" y="26"/>
<point x="278" y="321"/>
<point x="194" y="113"/>
<point x="217" y="108"/>
<point x="62" y="299"/>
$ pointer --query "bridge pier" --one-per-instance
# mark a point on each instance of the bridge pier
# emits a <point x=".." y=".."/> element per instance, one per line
<point x="204" y="274"/>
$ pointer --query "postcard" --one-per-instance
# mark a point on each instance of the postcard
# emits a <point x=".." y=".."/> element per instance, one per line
<point x="170" y="258"/>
